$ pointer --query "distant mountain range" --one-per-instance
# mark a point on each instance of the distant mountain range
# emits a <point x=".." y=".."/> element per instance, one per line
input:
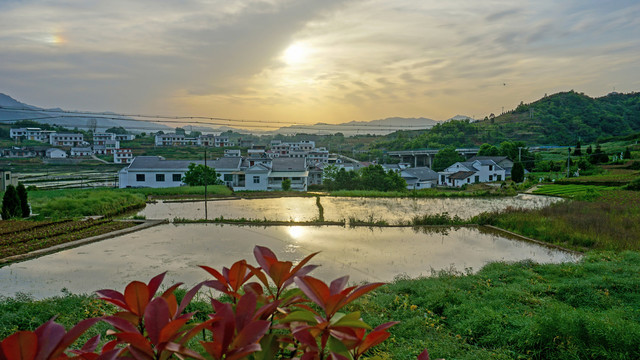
<point x="12" y="110"/>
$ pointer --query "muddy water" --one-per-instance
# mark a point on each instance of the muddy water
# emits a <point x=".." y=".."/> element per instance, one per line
<point x="335" y="209"/>
<point x="379" y="254"/>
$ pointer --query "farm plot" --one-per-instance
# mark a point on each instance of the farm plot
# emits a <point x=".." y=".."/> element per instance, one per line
<point x="572" y="191"/>
<point x="19" y="237"/>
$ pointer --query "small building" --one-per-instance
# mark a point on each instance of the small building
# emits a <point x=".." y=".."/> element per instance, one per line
<point x="419" y="178"/>
<point x="101" y="138"/>
<point x="125" y="137"/>
<point x="6" y="179"/>
<point x="73" y="140"/>
<point x="256" y="178"/>
<point x="470" y="172"/>
<point x="55" y="153"/>
<point x="81" y="151"/>
<point x="221" y="141"/>
<point x="294" y="169"/>
<point x="122" y="156"/>
<point x="502" y="161"/>
<point x="232" y="152"/>
<point x="154" y="172"/>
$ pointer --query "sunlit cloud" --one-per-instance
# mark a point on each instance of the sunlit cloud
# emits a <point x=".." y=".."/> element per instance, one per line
<point x="330" y="61"/>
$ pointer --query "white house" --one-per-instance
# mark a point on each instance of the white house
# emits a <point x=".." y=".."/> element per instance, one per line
<point x="502" y="161"/>
<point x="221" y="141"/>
<point x="36" y="134"/>
<point x="294" y="169"/>
<point x="419" y="178"/>
<point x="66" y="140"/>
<point x="54" y="153"/>
<point x="6" y="179"/>
<point x="81" y="151"/>
<point x="154" y="172"/>
<point x="125" y="137"/>
<point x="470" y="172"/>
<point x="122" y="156"/>
<point x="100" y="138"/>
<point x="256" y="177"/>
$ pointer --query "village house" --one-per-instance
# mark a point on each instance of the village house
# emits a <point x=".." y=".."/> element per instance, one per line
<point x="294" y="169"/>
<point x="81" y="151"/>
<point x="122" y="156"/>
<point x="101" y="138"/>
<point x="419" y="178"/>
<point x="470" y="172"/>
<point x="73" y="140"/>
<point x="55" y="153"/>
<point x="502" y="161"/>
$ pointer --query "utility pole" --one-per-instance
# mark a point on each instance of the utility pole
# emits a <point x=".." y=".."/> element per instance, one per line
<point x="206" y="173"/>
<point x="568" y="162"/>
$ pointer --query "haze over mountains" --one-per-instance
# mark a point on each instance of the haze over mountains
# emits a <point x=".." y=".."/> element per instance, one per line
<point x="12" y="110"/>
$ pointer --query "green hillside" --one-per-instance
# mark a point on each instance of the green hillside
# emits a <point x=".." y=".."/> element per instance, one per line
<point x="559" y="119"/>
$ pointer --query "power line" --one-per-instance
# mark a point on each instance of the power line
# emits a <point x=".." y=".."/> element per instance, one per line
<point x="205" y="120"/>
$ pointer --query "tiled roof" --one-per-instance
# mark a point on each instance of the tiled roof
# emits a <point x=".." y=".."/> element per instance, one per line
<point x="461" y="175"/>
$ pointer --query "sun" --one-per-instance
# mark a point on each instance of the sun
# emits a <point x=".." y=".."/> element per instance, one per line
<point x="296" y="53"/>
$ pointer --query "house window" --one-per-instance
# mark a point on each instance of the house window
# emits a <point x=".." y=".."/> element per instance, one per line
<point x="8" y="176"/>
<point x="490" y="167"/>
<point x="177" y="177"/>
<point x="490" y="177"/>
<point x="498" y="177"/>
<point x="159" y="177"/>
<point x="442" y="179"/>
<point x="295" y="179"/>
<point x="140" y="177"/>
<point x="256" y="179"/>
<point x="477" y="178"/>
<point x="468" y="180"/>
<point x="228" y="177"/>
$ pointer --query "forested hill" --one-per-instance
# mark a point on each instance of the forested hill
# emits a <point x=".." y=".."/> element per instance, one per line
<point x="559" y="119"/>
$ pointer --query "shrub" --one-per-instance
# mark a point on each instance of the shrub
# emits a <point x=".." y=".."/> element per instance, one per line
<point x="10" y="203"/>
<point x="262" y="319"/>
<point x="286" y="184"/>
<point x="24" y="201"/>
<point x="633" y="185"/>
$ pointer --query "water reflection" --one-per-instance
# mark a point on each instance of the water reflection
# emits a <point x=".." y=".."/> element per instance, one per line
<point x="392" y="210"/>
<point x="378" y="254"/>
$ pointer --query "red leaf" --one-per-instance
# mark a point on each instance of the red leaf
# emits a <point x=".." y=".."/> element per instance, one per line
<point x="20" y="346"/>
<point x="252" y="333"/>
<point x="136" y="294"/>
<point x="361" y="290"/>
<point x="424" y="355"/>
<point x="374" y="338"/>
<point x="279" y="272"/>
<point x="91" y="344"/>
<point x="109" y="355"/>
<point x="49" y="336"/>
<point x="337" y="285"/>
<point x="137" y="341"/>
<point x="111" y="294"/>
<point x="154" y="284"/>
<point x="316" y="290"/>
<point x="265" y="257"/>
<point x="156" y="316"/>
<point x="245" y="310"/>
<point x="120" y="324"/>
<point x="216" y="274"/>
<point x="178" y="349"/>
<point x="72" y="335"/>
<point x="298" y="269"/>
<point x="243" y="352"/>
<point x="305" y="337"/>
<point x="170" y="331"/>
<point x="187" y="298"/>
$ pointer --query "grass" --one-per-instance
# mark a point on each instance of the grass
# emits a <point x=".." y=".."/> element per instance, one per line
<point x="472" y="191"/>
<point x="589" y="309"/>
<point x="603" y="219"/>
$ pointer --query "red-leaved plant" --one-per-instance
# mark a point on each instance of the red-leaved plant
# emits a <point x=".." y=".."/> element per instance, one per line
<point x="264" y="320"/>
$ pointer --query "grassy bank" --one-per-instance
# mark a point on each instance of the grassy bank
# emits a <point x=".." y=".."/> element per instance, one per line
<point x="70" y="203"/>
<point x="472" y="191"/>
<point x="507" y="311"/>
<point x="606" y="219"/>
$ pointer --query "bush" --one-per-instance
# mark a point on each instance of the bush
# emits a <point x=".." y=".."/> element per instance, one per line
<point x="262" y="318"/>
<point x="633" y="185"/>
<point x="11" y="204"/>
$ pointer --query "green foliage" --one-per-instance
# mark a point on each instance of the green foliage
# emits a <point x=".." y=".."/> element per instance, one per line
<point x="117" y="130"/>
<point x="199" y="175"/>
<point x="372" y="177"/>
<point x="445" y="158"/>
<point x="286" y="184"/>
<point x="627" y="153"/>
<point x="24" y="201"/>
<point x="488" y="150"/>
<point x="11" y="203"/>
<point x="517" y="172"/>
<point x="633" y="185"/>
<point x="598" y="156"/>
<point x="262" y="317"/>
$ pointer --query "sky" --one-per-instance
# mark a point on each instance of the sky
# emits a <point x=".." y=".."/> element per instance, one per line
<point x="309" y="61"/>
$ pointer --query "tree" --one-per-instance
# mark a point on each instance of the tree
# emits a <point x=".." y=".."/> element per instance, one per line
<point x="589" y="150"/>
<point x="488" y="150"/>
<point x="24" y="201"/>
<point x="117" y="130"/>
<point x="445" y="158"/>
<point x="517" y="172"/>
<point x="627" y="154"/>
<point x="10" y="203"/>
<point x="180" y="131"/>
<point x="198" y="175"/>
<point x="578" y="150"/>
<point x="286" y="184"/>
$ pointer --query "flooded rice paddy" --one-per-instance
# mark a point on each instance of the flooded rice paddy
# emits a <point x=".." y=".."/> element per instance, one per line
<point x="392" y="210"/>
<point x="365" y="254"/>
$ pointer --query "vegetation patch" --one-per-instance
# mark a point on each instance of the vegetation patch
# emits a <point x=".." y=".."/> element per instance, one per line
<point x="28" y="236"/>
